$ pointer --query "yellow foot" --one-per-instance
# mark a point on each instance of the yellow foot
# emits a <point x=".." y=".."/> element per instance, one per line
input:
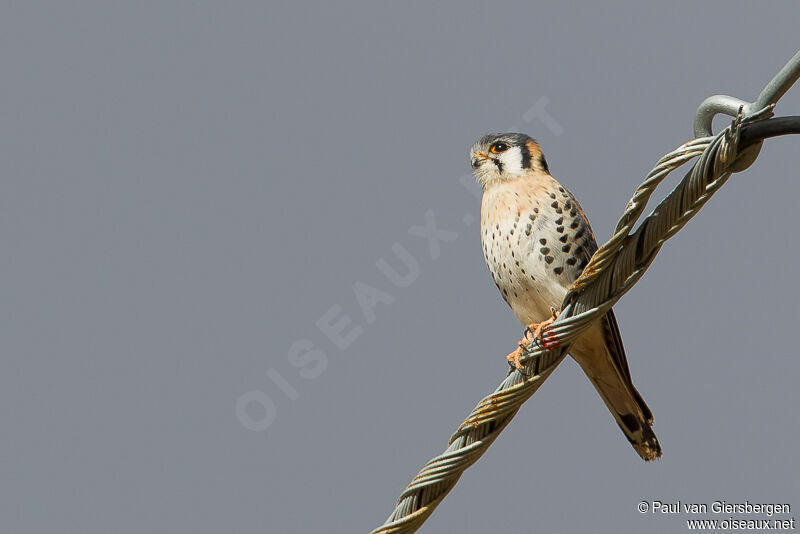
<point x="537" y="329"/>
<point x="515" y="358"/>
<point x="537" y="332"/>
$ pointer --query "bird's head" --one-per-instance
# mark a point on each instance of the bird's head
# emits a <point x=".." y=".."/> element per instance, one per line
<point x="498" y="158"/>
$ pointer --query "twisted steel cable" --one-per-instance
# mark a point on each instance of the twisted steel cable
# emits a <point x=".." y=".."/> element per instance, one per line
<point x="611" y="272"/>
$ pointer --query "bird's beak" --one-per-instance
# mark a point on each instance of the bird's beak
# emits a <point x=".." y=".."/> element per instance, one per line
<point x="478" y="160"/>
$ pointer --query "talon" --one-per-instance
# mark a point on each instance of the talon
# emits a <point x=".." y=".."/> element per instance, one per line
<point x="541" y="327"/>
<point x="535" y="333"/>
<point x="515" y="358"/>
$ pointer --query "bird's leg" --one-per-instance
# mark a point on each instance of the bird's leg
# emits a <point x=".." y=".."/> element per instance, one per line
<point x="515" y="358"/>
<point x="534" y="332"/>
<point x="537" y="329"/>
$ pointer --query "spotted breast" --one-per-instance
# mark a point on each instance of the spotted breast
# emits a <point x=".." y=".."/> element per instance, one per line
<point x="536" y="242"/>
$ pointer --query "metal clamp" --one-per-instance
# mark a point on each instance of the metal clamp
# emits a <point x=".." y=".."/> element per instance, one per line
<point x="731" y="106"/>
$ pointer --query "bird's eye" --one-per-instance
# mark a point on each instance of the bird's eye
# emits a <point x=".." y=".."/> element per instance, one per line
<point x="498" y="148"/>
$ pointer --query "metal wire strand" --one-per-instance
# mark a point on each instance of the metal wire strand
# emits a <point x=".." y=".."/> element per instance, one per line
<point x="611" y="272"/>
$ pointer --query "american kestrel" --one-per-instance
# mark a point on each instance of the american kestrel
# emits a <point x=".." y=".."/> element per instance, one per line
<point x="536" y="241"/>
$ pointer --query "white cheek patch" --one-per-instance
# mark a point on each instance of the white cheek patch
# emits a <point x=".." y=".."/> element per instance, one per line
<point x="512" y="161"/>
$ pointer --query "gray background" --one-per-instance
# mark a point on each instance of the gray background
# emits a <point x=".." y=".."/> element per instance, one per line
<point x="187" y="187"/>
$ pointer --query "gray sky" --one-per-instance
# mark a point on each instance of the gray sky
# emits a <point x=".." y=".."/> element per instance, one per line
<point x="189" y="189"/>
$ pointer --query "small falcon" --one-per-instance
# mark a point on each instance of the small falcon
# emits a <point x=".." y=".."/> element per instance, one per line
<point x="536" y="241"/>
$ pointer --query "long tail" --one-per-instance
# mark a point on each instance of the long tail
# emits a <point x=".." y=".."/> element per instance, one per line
<point x="602" y="357"/>
<point x="630" y="412"/>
